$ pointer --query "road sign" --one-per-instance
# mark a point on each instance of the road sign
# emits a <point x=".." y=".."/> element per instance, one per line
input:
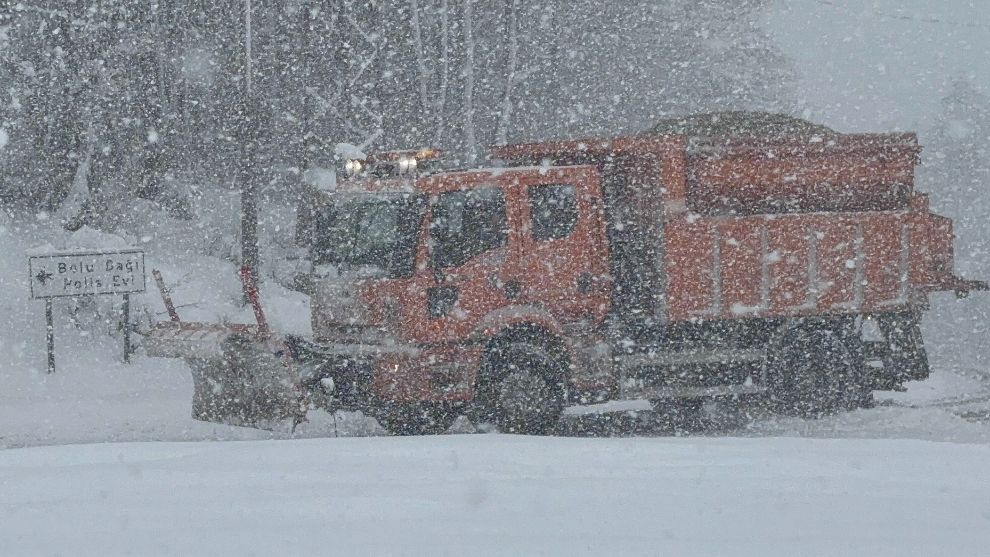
<point x="80" y="273"/>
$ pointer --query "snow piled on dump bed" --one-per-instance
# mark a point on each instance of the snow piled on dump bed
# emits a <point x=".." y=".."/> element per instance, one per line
<point x="499" y="495"/>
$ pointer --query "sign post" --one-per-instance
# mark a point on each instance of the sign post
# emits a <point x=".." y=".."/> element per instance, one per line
<point x="66" y="274"/>
<point x="50" y="335"/>
<point x="126" y="311"/>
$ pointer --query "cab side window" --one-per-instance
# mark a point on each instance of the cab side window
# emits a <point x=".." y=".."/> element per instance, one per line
<point x="466" y="223"/>
<point x="553" y="209"/>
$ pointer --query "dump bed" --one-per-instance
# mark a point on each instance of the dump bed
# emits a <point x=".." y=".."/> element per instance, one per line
<point x="836" y="173"/>
<point x="802" y="264"/>
<point x="729" y="228"/>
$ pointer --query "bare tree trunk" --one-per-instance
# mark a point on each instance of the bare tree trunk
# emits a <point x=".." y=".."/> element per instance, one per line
<point x="470" y="140"/>
<point x="307" y="78"/>
<point x="441" y="106"/>
<point x="512" y="32"/>
<point x="424" y="76"/>
<point x="250" y="256"/>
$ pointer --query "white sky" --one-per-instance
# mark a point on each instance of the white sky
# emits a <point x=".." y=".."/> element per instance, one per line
<point x="878" y="65"/>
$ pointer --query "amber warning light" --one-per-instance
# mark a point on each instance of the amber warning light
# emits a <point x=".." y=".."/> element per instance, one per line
<point x="400" y="163"/>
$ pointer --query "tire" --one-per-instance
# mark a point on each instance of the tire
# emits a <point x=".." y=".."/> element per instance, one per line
<point x="416" y="419"/>
<point x="813" y="372"/>
<point x="523" y="392"/>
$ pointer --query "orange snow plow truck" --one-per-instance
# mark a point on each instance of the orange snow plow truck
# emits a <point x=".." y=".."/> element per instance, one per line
<point x="793" y="270"/>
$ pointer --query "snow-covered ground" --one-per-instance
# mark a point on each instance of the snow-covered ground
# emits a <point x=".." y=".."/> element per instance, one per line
<point x="494" y="494"/>
<point x="125" y="478"/>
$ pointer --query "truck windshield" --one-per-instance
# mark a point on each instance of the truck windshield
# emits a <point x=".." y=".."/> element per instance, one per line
<point x="369" y="231"/>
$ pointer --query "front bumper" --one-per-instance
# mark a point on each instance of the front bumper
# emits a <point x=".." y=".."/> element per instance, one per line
<point x="364" y="375"/>
<point x="348" y="367"/>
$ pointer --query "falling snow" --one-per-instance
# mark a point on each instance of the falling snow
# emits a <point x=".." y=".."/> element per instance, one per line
<point x="450" y="276"/>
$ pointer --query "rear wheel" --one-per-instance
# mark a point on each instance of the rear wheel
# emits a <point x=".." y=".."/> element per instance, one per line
<point x="813" y="372"/>
<point x="524" y="390"/>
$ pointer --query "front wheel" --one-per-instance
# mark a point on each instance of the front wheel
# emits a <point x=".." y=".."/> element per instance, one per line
<point x="525" y="393"/>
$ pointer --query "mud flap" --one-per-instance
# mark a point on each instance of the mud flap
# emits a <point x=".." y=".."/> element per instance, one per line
<point x="248" y="384"/>
<point x="906" y="358"/>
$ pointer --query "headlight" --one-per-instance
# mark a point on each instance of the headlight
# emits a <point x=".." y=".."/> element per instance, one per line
<point x="327" y="385"/>
<point x="353" y="167"/>
<point x="407" y="165"/>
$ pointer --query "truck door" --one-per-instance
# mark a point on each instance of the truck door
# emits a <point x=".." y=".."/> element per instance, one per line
<point x="564" y="259"/>
<point x="471" y="242"/>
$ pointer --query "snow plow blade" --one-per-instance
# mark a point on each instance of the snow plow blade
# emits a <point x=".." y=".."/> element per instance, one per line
<point x="242" y="374"/>
<point x="250" y="384"/>
<point x="238" y="378"/>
